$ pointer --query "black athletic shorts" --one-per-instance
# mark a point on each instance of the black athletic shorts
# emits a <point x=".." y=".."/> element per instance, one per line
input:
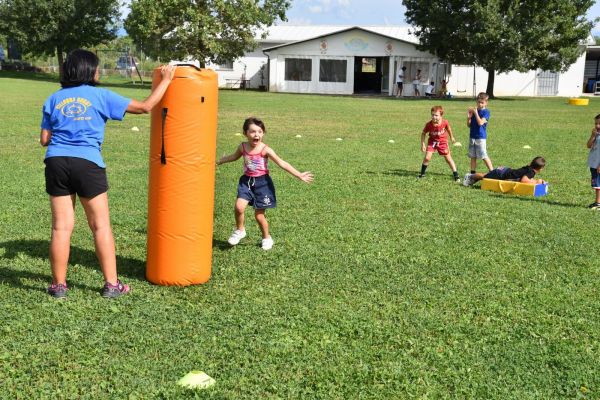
<point x="69" y="175"/>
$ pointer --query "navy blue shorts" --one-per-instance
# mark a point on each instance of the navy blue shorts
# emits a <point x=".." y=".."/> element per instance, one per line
<point x="68" y="175"/>
<point x="595" y="178"/>
<point x="259" y="191"/>
<point x="496" y="173"/>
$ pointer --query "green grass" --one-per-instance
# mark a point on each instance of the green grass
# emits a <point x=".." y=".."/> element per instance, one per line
<point x="379" y="285"/>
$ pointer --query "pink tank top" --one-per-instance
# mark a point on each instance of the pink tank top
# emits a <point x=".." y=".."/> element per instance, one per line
<point x="255" y="164"/>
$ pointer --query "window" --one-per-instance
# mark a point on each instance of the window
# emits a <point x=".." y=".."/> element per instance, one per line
<point x="298" y="69"/>
<point x="369" y="65"/>
<point x="225" y="65"/>
<point x="332" y="71"/>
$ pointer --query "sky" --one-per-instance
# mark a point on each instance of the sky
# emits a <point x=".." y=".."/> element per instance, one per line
<point x="358" y="12"/>
<point x="365" y="12"/>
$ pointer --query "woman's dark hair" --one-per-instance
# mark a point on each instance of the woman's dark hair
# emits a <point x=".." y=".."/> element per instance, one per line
<point x="538" y="163"/>
<point x="255" y="121"/>
<point x="79" y="69"/>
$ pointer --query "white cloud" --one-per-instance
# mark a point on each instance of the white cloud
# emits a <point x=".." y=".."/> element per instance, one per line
<point x="315" y="9"/>
<point x="344" y="3"/>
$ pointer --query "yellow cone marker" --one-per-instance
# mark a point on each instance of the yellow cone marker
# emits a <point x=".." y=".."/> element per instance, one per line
<point x="196" y="380"/>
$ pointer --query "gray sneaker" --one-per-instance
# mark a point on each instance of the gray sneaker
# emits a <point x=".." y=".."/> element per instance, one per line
<point x="58" y="290"/>
<point x="467" y="181"/>
<point x="111" y="291"/>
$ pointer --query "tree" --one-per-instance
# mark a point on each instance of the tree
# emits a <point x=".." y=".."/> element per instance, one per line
<point x="43" y="27"/>
<point x="215" y="30"/>
<point x="502" y="35"/>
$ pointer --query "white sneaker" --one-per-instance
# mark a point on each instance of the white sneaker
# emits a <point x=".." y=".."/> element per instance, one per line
<point x="267" y="244"/>
<point x="236" y="236"/>
<point x="467" y="181"/>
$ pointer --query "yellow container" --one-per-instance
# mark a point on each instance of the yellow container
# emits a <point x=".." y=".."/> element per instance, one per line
<point x="523" y="189"/>
<point x="579" y="102"/>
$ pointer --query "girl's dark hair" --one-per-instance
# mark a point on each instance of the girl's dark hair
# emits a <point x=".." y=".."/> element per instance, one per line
<point x="255" y="121"/>
<point x="597" y="117"/>
<point x="538" y="163"/>
<point x="79" y="69"/>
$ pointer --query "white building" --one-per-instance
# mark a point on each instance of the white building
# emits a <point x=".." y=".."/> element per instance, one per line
<point x="350" y="60"/>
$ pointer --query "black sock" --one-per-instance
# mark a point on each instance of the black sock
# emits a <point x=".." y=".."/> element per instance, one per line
<point x="423" y="168"/>
<point x="455" y="173"/>
<point x="472" y="171"/>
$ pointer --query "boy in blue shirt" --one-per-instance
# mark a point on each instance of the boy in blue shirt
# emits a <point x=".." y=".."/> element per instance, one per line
<point x="477" y="121"/>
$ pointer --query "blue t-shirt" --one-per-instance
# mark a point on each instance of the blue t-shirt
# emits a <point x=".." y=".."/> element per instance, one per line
<point x="76" y="117"/>
<point x="479" y="132"/>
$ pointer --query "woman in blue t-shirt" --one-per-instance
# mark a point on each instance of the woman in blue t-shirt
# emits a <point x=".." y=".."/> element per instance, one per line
<point x="73" y="129"/>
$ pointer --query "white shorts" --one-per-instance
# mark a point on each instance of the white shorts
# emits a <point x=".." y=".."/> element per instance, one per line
<point x="478" y="149"/>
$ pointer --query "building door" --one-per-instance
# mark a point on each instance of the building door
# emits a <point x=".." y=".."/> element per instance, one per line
<point x="385" y="74"/>
<point x="367" y="74"/>
<point x="547" y="83"/>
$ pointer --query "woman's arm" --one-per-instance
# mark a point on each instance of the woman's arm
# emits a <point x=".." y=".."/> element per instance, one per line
<point x="303" y="176"/>
<point x="45" y="136"/>
<point x="144" y="107"/>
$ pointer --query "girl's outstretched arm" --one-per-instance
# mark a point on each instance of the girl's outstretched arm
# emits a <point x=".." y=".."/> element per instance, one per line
<point x="592" y="139"/>
<point x="143" y="107"/>
<point x="232" y="157"/>
<point x="306" y="177"/>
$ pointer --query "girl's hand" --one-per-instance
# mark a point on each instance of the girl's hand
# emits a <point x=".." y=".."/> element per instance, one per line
<point x="423" y="147"/>
<point x="453" y="140"/>
<point x="306" y="177"/>
<point x="598" y="169"/>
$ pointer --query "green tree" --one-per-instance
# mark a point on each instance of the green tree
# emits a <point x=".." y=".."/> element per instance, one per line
<point x="215" y="30"/>
<point x="45" y="27"/>
<point x="502" y="35"/>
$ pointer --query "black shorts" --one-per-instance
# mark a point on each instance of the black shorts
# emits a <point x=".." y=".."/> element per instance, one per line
<point x="68" y="175"/>
<point x="399" y="85"/>
<point x="259" y="192"/>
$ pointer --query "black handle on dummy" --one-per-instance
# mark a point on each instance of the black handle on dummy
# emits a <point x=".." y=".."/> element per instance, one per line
<point x="163" y="155"/>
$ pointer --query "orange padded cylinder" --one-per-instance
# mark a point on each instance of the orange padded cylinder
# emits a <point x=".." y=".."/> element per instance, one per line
<point x="182" y="179"/>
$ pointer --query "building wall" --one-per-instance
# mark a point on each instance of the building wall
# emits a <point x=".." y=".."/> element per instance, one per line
<point x="569" y="83"/>
<point x="342" y="46"/>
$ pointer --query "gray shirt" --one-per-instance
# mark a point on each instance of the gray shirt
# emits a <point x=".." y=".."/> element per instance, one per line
<point x="594" y="157"/>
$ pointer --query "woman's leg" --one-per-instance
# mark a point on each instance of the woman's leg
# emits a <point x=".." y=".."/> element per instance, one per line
<point x="63" y="220"/>
<point x="262" y="222"/>
<point x="96" y="211"/>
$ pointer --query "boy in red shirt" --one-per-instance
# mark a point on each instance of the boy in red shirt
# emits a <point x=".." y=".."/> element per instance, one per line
<point x="439" y="130"/>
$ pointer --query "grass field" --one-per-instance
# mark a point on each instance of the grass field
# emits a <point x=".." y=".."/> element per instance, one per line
<point x="380" y="286"/>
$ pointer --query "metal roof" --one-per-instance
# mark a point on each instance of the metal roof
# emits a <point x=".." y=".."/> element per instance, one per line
<point x="296" y="33"/>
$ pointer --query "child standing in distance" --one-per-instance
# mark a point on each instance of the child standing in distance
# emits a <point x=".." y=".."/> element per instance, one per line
<point x="400" y="81"/>
<point x="524" y="174"/>
<point x="477" y="121"/>
<point x="439" y="130"/>
<point x="255" y="187"/>
<point x="417" y="83"/>
<point x="593" y="144"/>
<point x="72" y="127"/>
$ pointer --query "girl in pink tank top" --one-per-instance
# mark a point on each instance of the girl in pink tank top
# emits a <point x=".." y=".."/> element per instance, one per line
<point x="256" y="187"/>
